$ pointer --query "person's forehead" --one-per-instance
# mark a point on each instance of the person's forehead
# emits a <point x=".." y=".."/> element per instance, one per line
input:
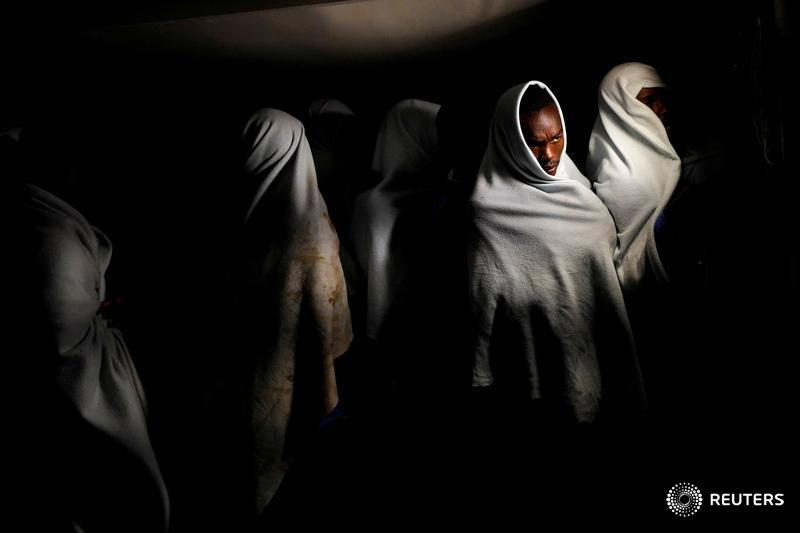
<point x="648" y="91"/>
<point x="547" y="117"/>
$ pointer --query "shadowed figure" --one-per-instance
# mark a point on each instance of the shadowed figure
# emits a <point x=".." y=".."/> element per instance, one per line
<point x="286" y="280"/>
<point x="390" y="220"/>
<point x="395" y="237"/>
<point x="341" y="158"/>
<point x="633" y="166"/>
<point x="93" y="412"/>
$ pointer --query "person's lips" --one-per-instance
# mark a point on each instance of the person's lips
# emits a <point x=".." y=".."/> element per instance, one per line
<point x="550" y="167"/>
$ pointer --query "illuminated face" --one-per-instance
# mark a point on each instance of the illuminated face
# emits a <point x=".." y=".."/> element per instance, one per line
<point x="544" y="135"/>
<point x="657" y="99"/>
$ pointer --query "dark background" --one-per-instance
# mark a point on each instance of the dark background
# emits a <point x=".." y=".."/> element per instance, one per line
<point x="153" y="134"/>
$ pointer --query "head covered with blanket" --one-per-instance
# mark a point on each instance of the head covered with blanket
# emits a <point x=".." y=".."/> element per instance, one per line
<point x="633" y="167"/>
<point x="101" y="465"/>
<point x="549" y="318"/>
<point x="292" y="291"/>
<point x="391" y="221"/>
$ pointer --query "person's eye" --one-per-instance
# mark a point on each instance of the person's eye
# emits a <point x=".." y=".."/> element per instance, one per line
<point x="556" y="139"/>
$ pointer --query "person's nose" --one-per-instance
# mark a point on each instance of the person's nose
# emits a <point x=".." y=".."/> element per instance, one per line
<point x="549" y="152"/>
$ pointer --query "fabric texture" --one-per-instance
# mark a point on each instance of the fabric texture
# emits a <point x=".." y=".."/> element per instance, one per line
<point x="391" y="220"/>
<point x="99" y="393"/>
<point x="291" y="289"/>
<point x="550" y="321"/>
<point x="633" y="167"/>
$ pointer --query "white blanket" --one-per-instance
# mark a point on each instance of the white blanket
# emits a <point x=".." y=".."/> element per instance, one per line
<point x="386" y="220"/>
<point x="549" y="314"/>
<point x="65" y="260"/>
<point x="633" y="167"/>
<point x="293" y="295"/>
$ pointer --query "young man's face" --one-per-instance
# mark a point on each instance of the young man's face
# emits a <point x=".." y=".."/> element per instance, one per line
<point x="544" y="134"/>
<point x="657" y="99"/>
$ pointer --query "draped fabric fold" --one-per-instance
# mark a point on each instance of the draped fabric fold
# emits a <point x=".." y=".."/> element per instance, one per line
<point x="105" y="412"/>
<point x="549" y="316"/>
<point x="633" y="167"/>
<point x="392" y="220"/>
<point x="289" y="285"/>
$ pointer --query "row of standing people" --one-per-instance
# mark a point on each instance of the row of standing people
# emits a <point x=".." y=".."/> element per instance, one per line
<point x="520" y="276"/>
<point x="553" y="261"/>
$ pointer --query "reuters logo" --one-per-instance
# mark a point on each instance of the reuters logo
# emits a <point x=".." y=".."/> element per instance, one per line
<point x="684" y="499"/>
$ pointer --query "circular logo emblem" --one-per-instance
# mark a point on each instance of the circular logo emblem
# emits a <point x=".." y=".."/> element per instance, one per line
<point x="684" y="499"/>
